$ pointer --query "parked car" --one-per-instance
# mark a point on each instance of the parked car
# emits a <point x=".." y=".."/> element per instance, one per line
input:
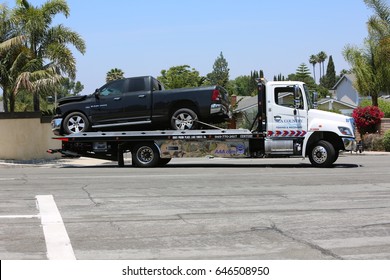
<point x="141" y="101"/>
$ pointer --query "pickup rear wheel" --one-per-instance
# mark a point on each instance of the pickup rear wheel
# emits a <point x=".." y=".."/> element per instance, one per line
<point x="322" y="154"/>
<point x="145" y="155"/>
<point x="184" y="119"/>
<point x="76" y="122"/>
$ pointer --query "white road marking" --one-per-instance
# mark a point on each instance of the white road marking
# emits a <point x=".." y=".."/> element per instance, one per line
<point x="19" y="217"/>
<point x="57" y="240"/>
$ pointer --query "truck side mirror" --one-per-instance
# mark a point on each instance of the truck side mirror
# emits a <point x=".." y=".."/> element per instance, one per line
<point x="297" y="97"/>
<point x="315" y="99"/>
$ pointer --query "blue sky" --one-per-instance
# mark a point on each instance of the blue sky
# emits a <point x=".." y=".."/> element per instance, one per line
<point x="143" y="37"/>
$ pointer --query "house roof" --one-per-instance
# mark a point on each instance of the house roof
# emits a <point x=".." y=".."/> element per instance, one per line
<point x="245" y="102"/>
<point x="349" y="77"/>
<point x="327" y="100"/>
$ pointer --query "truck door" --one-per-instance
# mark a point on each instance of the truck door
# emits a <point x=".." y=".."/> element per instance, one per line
<point x="287" y="117"/>
<point x="108" y="106"/>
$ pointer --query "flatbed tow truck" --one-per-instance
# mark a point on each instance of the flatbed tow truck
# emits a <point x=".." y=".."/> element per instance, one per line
<point x="286" y="125"/>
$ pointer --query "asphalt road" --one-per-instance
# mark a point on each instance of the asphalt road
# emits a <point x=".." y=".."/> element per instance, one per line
<point x="197" y="209"/>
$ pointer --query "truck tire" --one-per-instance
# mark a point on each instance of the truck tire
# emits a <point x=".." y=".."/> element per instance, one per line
<point x="184" y="119"/>
<point x="145" y="155"/>
<point x="322" y="154"/>
<point x="75" y="122"/>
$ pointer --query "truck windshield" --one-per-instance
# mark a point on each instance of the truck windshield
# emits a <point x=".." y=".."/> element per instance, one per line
<point x="308" y="99"/>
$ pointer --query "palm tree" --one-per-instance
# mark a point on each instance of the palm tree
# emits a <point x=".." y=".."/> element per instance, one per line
<point x="371" y="64"/>
<point x="114" y="74"/>
<point x="379" y="30"/>
<point x="365" y="66"/>
<point x="322" y="56"/>
<point x="47" y="44"/>
<point x="10" y="43"/>
<point x="313" y="61"/>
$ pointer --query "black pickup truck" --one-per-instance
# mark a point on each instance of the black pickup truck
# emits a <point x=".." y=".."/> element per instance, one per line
<point x="140" y="101"/>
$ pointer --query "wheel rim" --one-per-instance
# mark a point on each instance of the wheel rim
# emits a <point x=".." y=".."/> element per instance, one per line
<point x="184" y="121"/>
<point x="145" y="155"/>
<point x="76" y="124"/>
<point x="320" y="154"/>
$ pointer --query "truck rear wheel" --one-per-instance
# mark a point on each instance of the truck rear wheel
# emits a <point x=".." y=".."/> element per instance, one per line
<point x="322" y="154"/>
<point x="184" y="119"/>
<point x="145" y="155"/>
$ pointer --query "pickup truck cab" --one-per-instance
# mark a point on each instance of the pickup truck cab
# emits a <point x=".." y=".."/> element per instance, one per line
<point x="140" y="101"/>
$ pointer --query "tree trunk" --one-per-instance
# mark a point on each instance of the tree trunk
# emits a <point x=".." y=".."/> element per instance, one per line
<point x="5" y="100"/>
<point x="36" y="102"/>
<point x="374" y="100"/>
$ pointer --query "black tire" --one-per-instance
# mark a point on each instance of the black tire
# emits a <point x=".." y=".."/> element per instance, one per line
<point x="75" y="122"/>
<point x="184" y="119"/>
<point x="322" y="154"/>
<point x="145" y="155"/>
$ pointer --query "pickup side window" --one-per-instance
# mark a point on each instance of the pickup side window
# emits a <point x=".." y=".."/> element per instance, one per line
<point x="113" y="88"/>
<point x="136" y="84"/>
<point x="284" y="96"/>
<point x="157" y="86"/>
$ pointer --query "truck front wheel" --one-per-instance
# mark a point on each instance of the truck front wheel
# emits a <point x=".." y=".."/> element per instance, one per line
<point x="322" y="154"/>
<point x="145" y="155"/>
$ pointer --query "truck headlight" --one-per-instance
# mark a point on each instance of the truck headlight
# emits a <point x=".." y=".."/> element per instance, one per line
<point x="345" y="131"/>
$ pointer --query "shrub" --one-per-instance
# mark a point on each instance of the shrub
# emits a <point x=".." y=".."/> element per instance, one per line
<point x="386" y="141"/>
<point x="373" y="142"/>
<point x="367" y="119"/>
<point x="384" y="105"/>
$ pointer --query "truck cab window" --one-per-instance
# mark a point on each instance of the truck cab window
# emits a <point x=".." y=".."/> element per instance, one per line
<point x="113" y="88"/>
<point x="284" y="96"/>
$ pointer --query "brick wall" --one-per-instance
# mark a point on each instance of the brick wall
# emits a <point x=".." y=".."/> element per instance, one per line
<point x="385" y="125"/>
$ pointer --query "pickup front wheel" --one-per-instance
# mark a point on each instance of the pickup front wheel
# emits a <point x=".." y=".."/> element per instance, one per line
<point x="76" y="122"/>
<point x="184" y="119"/>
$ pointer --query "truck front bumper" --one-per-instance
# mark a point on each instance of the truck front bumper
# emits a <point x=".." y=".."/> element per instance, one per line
<point x="350" y="144"/>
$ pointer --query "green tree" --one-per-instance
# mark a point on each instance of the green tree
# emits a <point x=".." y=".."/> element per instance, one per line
<point x="302" y="73"/>
<point x="182" y="76"/>
<point x="49" y="53"/>
<point x="329" y="79"/>
<point x="69" y="87"/>
<point x="220" y="73"/>
<point x="114" y="74"/>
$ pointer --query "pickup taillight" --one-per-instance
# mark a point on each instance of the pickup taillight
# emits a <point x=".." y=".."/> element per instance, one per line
<point x="216" y="95"/>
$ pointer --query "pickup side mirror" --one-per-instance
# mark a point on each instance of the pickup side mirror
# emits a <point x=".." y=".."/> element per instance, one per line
<point x="97" y="93"/>
<point x="297" y="97"/>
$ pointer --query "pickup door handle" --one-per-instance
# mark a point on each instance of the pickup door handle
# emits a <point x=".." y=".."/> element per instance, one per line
<point x="141" y="96"/>
<point x="117" y="98"/>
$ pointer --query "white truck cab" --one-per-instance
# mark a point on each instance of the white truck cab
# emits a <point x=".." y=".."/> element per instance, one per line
<point x="294" y="127"/>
